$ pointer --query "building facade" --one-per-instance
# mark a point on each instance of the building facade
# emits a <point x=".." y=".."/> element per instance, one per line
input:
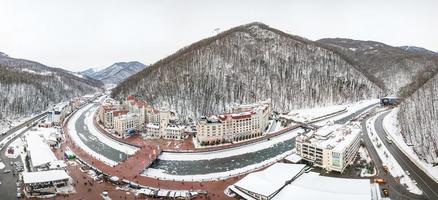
<point x="332" y="147"/>
<point x="244" y="122"/>
<point x="123" y="123"/>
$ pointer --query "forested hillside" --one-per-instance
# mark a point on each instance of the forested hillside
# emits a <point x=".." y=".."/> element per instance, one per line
<point x="418" y="119"/>
<point x="28" y="87"/>
<point x="115" y="73"/>
<point x="246" y="64"/>
<point x="398" y="70"/>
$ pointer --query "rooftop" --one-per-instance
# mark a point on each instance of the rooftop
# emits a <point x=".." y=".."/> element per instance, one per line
<point x="40" y="152"/>
<point x="44" y="176"/>
<point x="312" y="186"/>
<point x="309" y="186"/>
<point x="335" y="137"/>
<point x="268" y="181"/>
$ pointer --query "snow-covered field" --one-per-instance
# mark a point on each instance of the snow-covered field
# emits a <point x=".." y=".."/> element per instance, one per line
<point x="75" y="137"/>
<point x="17" y="145"/>
<point x="391" y="126"/>
<point x="157" y="173"/>
<point x="230" y="151"/>
<point x="6" y="140"/>
<point x="311" y="114"/>
<point x="6" y="124"/>
<point x="88" y="121"/>
<point x="365" y="156"/>
<point x="387" y="159"/>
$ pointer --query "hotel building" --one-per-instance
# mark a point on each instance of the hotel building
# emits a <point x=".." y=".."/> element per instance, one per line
<point x="243" y="122"/>
<point x="332" y="147"/>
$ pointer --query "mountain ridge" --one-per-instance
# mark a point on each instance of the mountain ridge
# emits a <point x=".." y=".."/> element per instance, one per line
<point x="115" y="73"/>
<point x="225" y="62"/>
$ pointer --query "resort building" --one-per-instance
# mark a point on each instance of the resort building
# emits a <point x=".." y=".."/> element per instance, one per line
<point x="244" y="122"/>
<point x="136" y="106"/>
<point x="106" y="115"/>
<point x="332" y="147"/>
<point x="124" y="123"/>
<point x="283" y="181"/>
<point x="47" y="183"/>
<point x="168" y="132"/>
<point x="163" y="126"/>
<point x="39" y="153"/>
<point x="59" y="112"/>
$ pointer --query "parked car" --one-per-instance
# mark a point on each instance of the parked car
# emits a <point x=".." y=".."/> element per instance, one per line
<point x="380" y="180"/>
<point x="408" y="173"/>
<point x="385" y="192"/>
<point x="6" y="171"/>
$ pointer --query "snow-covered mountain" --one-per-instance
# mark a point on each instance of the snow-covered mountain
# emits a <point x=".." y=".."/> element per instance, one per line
<point x="28" y="87"/>
<point x="392" y="68"/>
<point x="115" y="73"/>
<point x="246" y="64"/>
<point x="418" y="119"/>
<point x="414" y="49"/>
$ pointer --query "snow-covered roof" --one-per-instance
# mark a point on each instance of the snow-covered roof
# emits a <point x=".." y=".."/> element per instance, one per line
<point x="40" y="152"/>
<point x="44" y="176"/>
<point x="311" y="186"/>
<point x="151" y="125"/>
<point x="61" y="106"/>
<point x="335" y="137"/>
<point x="57" y="164"/>
<point x="295" y="158"/>
<point x="268" y="181"/>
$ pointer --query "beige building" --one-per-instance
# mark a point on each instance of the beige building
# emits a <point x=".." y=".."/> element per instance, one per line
<point x="245" y="122"/>
<point x="331" y="147"/>
<point x="124" y="122"/>
<point x="169" y="132"/>
<point x="160" y="126"/>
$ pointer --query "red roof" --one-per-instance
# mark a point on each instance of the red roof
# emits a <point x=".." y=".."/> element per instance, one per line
<point x="130" y="98"/>
<point x="120" y="112"/>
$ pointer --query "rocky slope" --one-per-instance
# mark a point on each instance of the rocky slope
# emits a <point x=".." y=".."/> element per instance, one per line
<point x="418" y="119"/>
<point x="115" y="73"/>
<point x="246" y="64"/>
<point x="396" y="69"/>
<point x="28" y="87"/>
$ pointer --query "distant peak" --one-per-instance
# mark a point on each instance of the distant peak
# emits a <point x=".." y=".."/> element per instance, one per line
<point x="3" y="54"/>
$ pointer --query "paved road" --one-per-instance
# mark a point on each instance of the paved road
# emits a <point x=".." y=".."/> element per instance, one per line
<point x="426" y="184"/>
<point x="30" y="121"/>
<point x="8" y="187"/>
<point x="396" y="190"/>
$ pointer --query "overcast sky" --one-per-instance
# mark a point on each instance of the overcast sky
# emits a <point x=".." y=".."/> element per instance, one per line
<point x="79" y="34"/>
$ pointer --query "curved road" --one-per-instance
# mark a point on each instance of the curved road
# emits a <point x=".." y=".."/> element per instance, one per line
<point x="8" y="181"/>
<point x="424" y="182"/>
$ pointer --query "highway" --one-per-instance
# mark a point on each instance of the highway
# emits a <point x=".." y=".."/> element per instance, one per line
<point x="424" y="182"/>
<point x="396" y="190"/>
<point x="8" y="187"/>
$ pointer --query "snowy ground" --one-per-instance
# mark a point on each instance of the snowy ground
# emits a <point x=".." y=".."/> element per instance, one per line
<point x="47" y="133"/>
<point x="351" y="108"/>
<point x="6" y="140"/>
<point x="365" y="156"/>
<point x="75" y="137"/>
<point x="128" y="149"/>
<point x="311" y="114"/>
<point x="387" y="159"/>
<point x="17" y="145"/>
<point x="230" y="151"/>
<point x="6" y="124"/>
<point x="391" y="126"/>
<point x="157" y="173"/>
<point x="273" y="127"/>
